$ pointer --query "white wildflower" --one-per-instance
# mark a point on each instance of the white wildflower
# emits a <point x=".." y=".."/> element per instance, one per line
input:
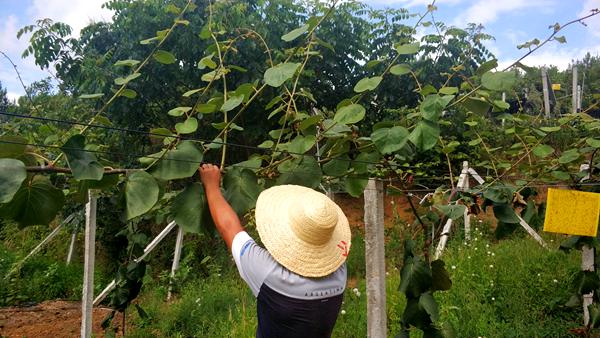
<point x="343" y="312"/>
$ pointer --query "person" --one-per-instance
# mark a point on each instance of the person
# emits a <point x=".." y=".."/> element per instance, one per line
<point x="300" y="278"/>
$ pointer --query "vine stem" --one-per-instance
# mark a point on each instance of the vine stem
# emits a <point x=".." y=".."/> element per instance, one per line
<point x="449" y="164"/>
<point x="136" y="70"/>
<point x="20" y="80"/>
<point x="492" y="158"/>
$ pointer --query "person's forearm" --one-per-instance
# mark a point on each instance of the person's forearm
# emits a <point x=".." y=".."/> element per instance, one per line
<point x="226" y="220"/>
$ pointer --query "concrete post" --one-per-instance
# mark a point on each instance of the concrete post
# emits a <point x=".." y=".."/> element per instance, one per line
<point x="546" y="92"/>
<point x="88" y="268"/>
<point x="375" y="260"/>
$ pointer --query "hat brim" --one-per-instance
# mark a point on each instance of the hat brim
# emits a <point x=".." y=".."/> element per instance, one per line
<point x="298" y="256"/>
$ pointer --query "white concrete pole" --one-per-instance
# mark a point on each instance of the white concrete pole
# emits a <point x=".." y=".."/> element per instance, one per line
<point x="375" y="260"/>
<point x="546" y="92"/>
<point x="465" y="187"/>
<point x="574" y="93"/>
<point x="88" y="268"/>
<point x="147" y="250"/>
<point x="72" y="247"/>
<point x="588" y="262"/>
<point x="176" y="259"/>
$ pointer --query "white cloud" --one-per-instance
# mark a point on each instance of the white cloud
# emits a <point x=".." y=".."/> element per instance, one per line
<point x="594" y="23"/>
<point x="12" y="96"/>
<point x="486" y="11"/>
<point x="77" y="14"/>
<point x="411" y="3"/>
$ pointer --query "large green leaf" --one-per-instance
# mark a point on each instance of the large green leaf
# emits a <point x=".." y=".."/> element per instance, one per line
<point x="542" y="150"/>
<point x="188" y="208"/>
<point x="388" y="140"/>
<point x="476" y="104"/>
<point x="400" y="69"/>
<point x="277" y="75"/>
<point x="593" y="142"/>
<point x="433" y="105"/>
<point x="568" y="156"/>
<point x="124" y="80"/>
<point x="416" y="277"/>
<point x="12" y="146"/>
<point x="425" y="135"/>
<point x="35" y="203"/>
<point x="141" y="194"/>
<point x="337" y="166"/>
<point x="505" y="213"/>
<point x="179" y="163"/>
<point x="487" y="66"/>
<point x="363" y="162"/>
<point x="188" y="126"/>
<point x="179" y="111"/>
<point x="163" y="56"/>
<point x="295" y="33"/>
<point x="12" y="174"/>
<point x="301" y="144"/>
<point x="83" y="164"/>
<point x="301" y="171"/>
<point x="355" y="186"/>
<point x="241" y="189"/>
<point x="440" y="277"/>
<point x="350" y="114"/>
<point x="499" y="194"/>
<point x="232" y="103"/>
<point x="408" y="48"/>
<point x="368" y="83"/>
<point x="453" y="211"/>
<point x="499" y="81"/>
<point x="430" y="306"/>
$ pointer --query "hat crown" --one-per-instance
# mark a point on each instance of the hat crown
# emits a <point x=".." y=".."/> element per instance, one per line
<point x="314" y="220"/>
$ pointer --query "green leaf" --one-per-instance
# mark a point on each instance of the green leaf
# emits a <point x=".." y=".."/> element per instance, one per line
<point x="505" y="213"/>
<point x="301" y="171"/>
<point x="189" y="126"/>
<point x="355" y="186"/>
<point x="301" y="144"/>
<point x="164" y="57"/>
<point x="425" y="135"/>
<point x="12" y="174"/>
<point x="560" y="39"/>
<point x="362" y="162"/>
<point x="499" y="81"/>
<point x="241" y="189"/>
<point x="400" y="69"/>
<point x="36" y="203"/>
<point x="91" y="96"/>
<point x="350" y="114"/>
<point x="337" y="166"/>
<point x="141" y="193"/>
<point x="179" y="111"/>
<point x="427" y="302"/>
<point x="453" y="211"/>
<point x="191" y="92"/>
<point x="440" y="277"/>
<point x="12" y="146"/>
<point x="407" y="49"/>
<point x="206" y="108"/>
<point x="83" y="164"/>
<point x="592" y="142"/>
<point x="127" y="63"/>
<point x="561" y="175"/>
<point x="295" y="33"/>
<point x="277" y="75"/>
<point x="550" y="129"/>
<point x="232" y="103"/>
<point x="207" y="61"/>
<point x="188" y="208"/>
<point x="389" y="140"/>
<point x="179" y="163"/>
<point x="476" y="105"/>
<point x="448" y="90"/>
<point x="542" y="150"/>
<point x="568" y="156"/>
<point x="501" y="105"/>
<point x="415" y="277"/>
<point x="486" y="67"/>
<point x="128" y="93"/>
<point x="124" y="80"/>
<point x="499" y="194"/>
<point x="433" y="105"/>
<point x="266" y="144"/>
<point x="368" y="83"/>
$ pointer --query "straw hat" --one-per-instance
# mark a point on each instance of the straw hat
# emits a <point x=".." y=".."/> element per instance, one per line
<point x="303" y="229"/>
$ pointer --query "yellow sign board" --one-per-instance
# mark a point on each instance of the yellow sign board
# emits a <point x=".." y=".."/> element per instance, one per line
<point x="556" y="86"/>
<point x="572" y="212"/>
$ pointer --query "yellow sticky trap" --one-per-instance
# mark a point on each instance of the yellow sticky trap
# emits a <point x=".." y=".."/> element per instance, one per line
<point x="572" y="212"/>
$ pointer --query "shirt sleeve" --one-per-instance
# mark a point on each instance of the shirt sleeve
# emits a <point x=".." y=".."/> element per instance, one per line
<point x="253" y="262"/>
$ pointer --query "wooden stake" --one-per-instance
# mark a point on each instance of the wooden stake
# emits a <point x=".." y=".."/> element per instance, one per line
<point x="375" y="260"/>
<point x="88" y="268"/>
<point x="176" y="258"/>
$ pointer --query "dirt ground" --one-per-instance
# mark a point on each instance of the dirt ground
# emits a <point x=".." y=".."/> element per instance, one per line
<point x="56" y="319"/>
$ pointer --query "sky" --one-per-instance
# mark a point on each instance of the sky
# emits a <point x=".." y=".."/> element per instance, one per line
<point x="511" y="22"/>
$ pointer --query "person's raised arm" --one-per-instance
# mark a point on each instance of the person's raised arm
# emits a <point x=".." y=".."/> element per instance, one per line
<point x="226" y="220"/>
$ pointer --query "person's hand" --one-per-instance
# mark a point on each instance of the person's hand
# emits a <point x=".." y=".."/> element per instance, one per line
<point x="210" y="175"/>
